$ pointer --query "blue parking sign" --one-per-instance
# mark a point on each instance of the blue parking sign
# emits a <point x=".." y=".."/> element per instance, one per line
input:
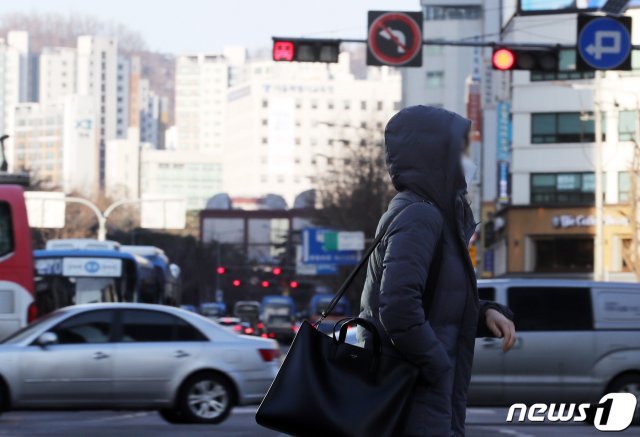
<point x="604" y="43"/>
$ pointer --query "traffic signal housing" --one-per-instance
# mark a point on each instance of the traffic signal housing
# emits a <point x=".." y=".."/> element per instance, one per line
<point x="530" y="59"/>
<point x="305" y="50"/>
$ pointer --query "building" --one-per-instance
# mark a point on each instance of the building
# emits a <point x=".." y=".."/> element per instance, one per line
<point x="38" y="142"/>
<point x="286" y="120"/>
<point x="57" y="78"/>
<point x="122" y="178"/>
<point x="14" y="81"/>
<point x="97" y="77"/>
<point x="190" y="175"/>
<point x="548" y="223"/>
<point x="441" y="79"/>
<point x="201" y="85"/>
<point x="81" y="159"/>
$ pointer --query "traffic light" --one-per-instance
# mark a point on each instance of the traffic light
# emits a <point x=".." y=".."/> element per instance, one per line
<point x="305" y="50"/>
<point x="531" y="59"/>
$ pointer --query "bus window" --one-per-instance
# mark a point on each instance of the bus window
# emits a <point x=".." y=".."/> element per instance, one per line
<point x="6" y="230"/>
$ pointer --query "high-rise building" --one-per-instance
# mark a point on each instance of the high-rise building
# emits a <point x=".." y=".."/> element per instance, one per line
<point x="201" y="85"/>
<point x="285" y="120"/>
<point x="57" y="78"/>
<point x="97" y="77"/>
<point x="14" y="75"/>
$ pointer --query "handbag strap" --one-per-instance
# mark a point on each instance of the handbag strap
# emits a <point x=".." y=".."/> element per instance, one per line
<point x="347" y="282"/>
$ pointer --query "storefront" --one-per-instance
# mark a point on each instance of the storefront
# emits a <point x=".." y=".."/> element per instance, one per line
<point x="557" y="241"/>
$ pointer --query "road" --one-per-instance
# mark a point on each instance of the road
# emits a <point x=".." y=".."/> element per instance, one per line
<point x="481" y="422"/>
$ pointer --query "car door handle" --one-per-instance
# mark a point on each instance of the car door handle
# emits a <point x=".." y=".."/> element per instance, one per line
<point x="180" y="354"/>
<point x="100" y="356"/>
<point x="491" y="343"/>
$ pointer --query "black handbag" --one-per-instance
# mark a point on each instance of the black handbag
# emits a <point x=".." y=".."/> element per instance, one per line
<point x="330" y="388"/>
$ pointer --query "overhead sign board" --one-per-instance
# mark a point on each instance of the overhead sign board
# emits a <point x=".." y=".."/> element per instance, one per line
<point x="394" y="38"/>
<point x="162" y="212"/>
<point x="604" y="43"/>
<point x="563" y="6"/>
<point x="45" y="209"/>
<point x="314" y="250"/>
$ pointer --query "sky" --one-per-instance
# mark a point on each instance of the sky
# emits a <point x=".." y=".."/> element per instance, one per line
<point x="187" y="26"/>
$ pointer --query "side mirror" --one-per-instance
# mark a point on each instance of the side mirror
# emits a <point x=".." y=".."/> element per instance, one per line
<point x="47" y="339"/>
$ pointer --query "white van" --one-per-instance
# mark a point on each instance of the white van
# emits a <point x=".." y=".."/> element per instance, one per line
<point x="576" y="340"/>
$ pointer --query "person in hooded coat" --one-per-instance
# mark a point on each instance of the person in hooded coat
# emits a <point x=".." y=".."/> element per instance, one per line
<point x="429" y="221"/>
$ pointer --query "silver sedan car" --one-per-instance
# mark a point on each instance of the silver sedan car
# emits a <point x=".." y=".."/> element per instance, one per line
<point x="134" y="356"/>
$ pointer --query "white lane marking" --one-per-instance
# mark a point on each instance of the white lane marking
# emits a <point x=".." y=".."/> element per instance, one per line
<point x="514" y="433"/>
<point x="244" y="410"/>
<point x="480" y="411"/>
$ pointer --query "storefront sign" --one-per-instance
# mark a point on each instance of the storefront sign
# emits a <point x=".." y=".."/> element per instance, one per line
<point x="503" y="110"/>
<point x="582" y="221"/>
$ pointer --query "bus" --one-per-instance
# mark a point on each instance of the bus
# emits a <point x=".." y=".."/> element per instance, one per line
<point x="88" y="275"/>
<point x="17" y="306"/>
<point x="167" y="274"/>
<point x="277" y="305"/>
<point x="320" y="302"/>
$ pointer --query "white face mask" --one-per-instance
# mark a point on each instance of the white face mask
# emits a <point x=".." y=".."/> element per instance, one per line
<point x="469" y="169"/>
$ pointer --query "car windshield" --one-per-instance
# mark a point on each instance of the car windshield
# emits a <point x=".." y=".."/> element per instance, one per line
<point x="279" y="319"/>
<point x="28" y="330"/>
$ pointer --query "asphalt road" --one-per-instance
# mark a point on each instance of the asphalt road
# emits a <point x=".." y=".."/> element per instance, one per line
<point x="481" y="422"/>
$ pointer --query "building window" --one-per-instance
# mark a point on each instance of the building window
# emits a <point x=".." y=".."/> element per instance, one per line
<point x="435" y="79"/>
<point x="347" y="105"/>
<point x="264" y="140"/>
<point x="564" y="127"/>
<point x="314" y="104"/>
<point x="330" y="105"/>
<point x="363" y="105"/>
<point x="264" y="122"/>
<point x="563" y="188"/>
<point x="265" y="103"/>
<point x="624" y="187"/>
<point x="627" y="125"/>
<point x="441" y="13"/>
<point x="380" y="105"/>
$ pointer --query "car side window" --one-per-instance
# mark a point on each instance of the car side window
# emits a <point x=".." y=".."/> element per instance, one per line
<point x="91" y="327"/>
<point x="156" y="326"/>
<point x="487" y="293"/>
<point x="551" y="308"/>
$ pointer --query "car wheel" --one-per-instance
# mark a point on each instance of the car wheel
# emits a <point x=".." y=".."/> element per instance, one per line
<point x="206" y="398"/>
<point x="172" y="416"/>
<point x="628" y="384"/>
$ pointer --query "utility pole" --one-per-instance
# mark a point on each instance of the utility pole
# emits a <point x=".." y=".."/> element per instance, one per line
<point x="598" y="257"/>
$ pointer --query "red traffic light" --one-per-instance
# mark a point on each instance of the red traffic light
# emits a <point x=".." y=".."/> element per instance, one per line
<point x="305" y="50"/>
<point x="236" y="282"/>
<point x="294" y="284"/>
<point x="503" y="59"/>
<point x="221" y="270"/>
<point x="265" y="284"/>
<point x="276" y="271"/>
<point x="283" y="51"/>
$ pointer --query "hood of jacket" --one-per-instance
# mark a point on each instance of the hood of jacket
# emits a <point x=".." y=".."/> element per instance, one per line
<point x="422" y="150"/>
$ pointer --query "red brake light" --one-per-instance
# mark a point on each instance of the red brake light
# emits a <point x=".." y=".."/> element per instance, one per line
<point x="269" y="354"/>
<point x="295" y="328"/>
<point x="248" y="331"/>
<point x="260" y="325"/>
<point x="32" y="312"/>
<point x="264" y="335"/>
<point x="237" y="328"/>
